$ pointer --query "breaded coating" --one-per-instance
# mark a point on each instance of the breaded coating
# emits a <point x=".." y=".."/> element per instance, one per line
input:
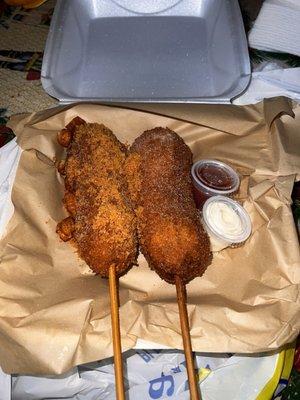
<point x="64" y="137"/>
<point x="61" y="167"/>
<point x="97" y="198"/>
<point x="69" y="201"/>
<point x="65" y="228"/>
<point x="171" y="235"/>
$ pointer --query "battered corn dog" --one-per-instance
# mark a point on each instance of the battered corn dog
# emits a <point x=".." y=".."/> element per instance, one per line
<point x="102" y="222"/>
<point x="171" y="236"/>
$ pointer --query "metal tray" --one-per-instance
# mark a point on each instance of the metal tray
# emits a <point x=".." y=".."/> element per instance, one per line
<point x="192" y="51"/>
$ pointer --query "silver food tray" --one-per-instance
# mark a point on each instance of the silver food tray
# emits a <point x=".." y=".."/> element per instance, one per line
<point x="192" y="51"/>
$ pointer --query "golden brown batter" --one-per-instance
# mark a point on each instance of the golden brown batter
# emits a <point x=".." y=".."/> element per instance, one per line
<point x="170" y="232"/>
<point x="104" y="227"/>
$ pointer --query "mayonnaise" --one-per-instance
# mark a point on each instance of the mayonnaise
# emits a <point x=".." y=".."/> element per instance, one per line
<point x="226" y="220"/>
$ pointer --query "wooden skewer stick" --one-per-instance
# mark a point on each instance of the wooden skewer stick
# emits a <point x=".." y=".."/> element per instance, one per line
<point x="186" y="338"/>
<point x="115" y="324"/>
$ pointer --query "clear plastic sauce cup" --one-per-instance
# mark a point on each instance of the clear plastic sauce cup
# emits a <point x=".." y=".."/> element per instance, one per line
<point x="211" y="178"/>
<point x="226" y="221"/>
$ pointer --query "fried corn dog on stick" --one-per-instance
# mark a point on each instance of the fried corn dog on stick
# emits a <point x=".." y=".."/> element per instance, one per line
<point x="171" y="235"/>
<point x="96" y="197"/>
<point x="101" y="222"/>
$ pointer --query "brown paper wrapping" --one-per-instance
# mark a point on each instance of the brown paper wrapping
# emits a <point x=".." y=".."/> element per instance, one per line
<point x="55" y="313"/>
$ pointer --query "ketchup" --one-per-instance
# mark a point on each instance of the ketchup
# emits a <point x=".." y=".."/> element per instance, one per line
<point x="215" y="177"/>
<point x="212" y="177"/>
<point x="200" y="197"/>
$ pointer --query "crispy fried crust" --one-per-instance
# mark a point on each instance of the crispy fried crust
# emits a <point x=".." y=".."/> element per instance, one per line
<point x="65" y="136"/>
<point x="170" y="232"/>
<point x="61" y="167"/>
<point x="97" y="198"/>
<point x="65" y="229"/>
<point x="69" y="201"/>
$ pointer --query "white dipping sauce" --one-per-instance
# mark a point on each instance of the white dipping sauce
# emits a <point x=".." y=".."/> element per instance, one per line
<point x="224" y="219"/>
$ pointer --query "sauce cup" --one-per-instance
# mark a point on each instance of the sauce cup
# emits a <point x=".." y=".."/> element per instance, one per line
<point x="211" y="178"/>
<point x="226" y="221"/>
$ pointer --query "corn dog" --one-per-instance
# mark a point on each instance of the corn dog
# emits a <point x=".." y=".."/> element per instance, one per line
<point x="171" y="235"/>
<point x="102" y="222"/>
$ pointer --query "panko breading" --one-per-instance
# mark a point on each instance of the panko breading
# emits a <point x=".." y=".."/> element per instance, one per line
<point x="171" y="235"/>
<point x="97" y="198"/>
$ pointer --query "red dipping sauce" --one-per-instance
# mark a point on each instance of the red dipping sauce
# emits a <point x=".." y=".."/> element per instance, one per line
<point x="211" y="178"/>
